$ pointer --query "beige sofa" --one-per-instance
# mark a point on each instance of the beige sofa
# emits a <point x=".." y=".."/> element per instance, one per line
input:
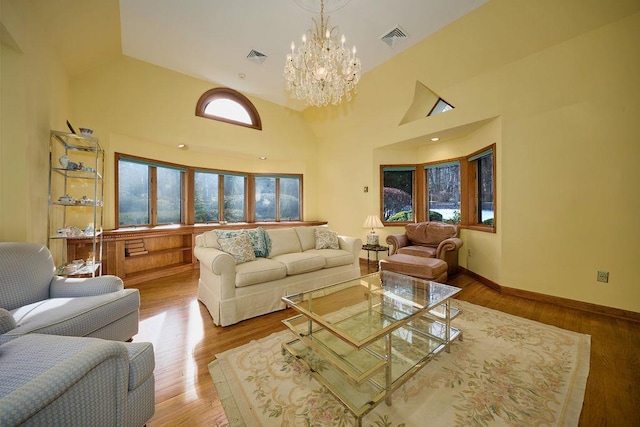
<point x="298" y="259"/>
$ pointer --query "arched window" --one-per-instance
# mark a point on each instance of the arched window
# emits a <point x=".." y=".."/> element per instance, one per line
<point x="229" y="106"/>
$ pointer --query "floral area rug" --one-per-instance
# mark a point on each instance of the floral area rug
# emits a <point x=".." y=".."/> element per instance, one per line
<point x="507" y="371"/>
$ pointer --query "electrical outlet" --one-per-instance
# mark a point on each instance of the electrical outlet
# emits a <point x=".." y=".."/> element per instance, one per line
<point x="469" y="252"/>
<point x="603" y="276"/>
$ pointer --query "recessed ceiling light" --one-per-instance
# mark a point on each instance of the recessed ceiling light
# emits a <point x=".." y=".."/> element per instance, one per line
<point x="262" y="158"/>
<point x="182" y="146"/>
<point x="242" y="76"/>
<point x="435" y="138"/>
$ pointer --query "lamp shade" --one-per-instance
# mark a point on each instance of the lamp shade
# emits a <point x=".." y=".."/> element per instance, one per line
<point x="372" y="221"/>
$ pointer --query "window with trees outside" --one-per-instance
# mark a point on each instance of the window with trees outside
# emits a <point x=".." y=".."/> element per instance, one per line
<point x="459" y="191"/>
<point x="482" y="186"/>
<point x="210" y="207"/>
<point x="398" y="202"/>
<point x="148" y="193"/>
<point x="443" y="191"/>
<point x="153" y="193"/>
<point x="277" y="198"/>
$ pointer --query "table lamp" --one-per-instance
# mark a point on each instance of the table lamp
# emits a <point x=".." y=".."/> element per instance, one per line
<point x="373" y="221"/>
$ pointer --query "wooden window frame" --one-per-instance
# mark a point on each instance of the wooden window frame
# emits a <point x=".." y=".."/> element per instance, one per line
<point x="188" y="191"/>
<point x="469" y="198"/>
<point x="277" y="177"/>
<point x="416" y="188"/>
<point x="153" y="190"/>
<point x="472" y="197"/>
<point x="233" y="95"/>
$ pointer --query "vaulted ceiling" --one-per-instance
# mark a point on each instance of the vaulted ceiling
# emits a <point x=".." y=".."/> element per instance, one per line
<point x="211" y="39"/>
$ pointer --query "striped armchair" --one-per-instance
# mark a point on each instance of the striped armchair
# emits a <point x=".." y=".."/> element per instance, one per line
<point x="70" y="381"/>
<point x="51" y="372"/>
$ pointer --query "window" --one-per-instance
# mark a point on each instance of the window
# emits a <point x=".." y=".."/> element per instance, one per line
<point x="482" y="187"/>
<point x="443" y="191"/>
<point x="398" y="184"/>
<point x="209" y="207"/>
<point x="459" y="191"/>
<point x="235" y="188"/>
<point x="441" y="106"/>
<point x="229" y="106"/>
<point x="148" y="193"/>
<point x="277" y="198"/>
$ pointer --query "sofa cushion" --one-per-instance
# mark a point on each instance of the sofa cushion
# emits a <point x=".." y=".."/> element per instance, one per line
<point x="239" y="247"/>
<point x="333" y="257"/>
<point x="423" y="251"/>
<point x="210" y="239"/>
<point x="259" y="271"/>
<point x="326" y="239"/>
<point x="258" y="237"/>
<point x="283" y="241"/>
<point x="79" y="316"/>
<point x="300" y="262"/>
<point x="307" y="237"/>
<point x="430" y="233"/>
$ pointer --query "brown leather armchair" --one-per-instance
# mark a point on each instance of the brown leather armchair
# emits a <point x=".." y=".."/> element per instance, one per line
<point x="429" y="239"/>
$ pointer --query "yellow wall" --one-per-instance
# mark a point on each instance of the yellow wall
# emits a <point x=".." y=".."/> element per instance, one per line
<point x="553" y="84"/>
<point x="34" y="89"/>
<point x="566" y="97"/>
<point x="140" y="109"/>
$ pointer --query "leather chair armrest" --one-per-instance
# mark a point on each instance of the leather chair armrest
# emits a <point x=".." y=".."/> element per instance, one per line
<point x="450" y="244"/>
<point x="397" y="241"/>
<point x="65" y="287"/>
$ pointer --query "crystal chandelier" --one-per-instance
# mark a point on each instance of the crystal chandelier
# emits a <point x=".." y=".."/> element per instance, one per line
<point x="322" y="70"/>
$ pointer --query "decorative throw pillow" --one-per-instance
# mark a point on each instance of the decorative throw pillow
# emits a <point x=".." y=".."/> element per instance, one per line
<point x="239" y="247"/>
<point x="258" y="236"/>
<point x="260" y="241"/>
<point x="326" y="239"/>
<point x="7" y="322"/>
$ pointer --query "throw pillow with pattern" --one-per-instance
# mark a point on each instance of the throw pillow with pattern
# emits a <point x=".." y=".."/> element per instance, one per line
<point x="258" y="236"/>
<point x="239" y="247"/>
<point x="326" y="239"/>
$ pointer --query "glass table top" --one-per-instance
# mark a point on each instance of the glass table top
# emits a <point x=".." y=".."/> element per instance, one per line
<point x="362" y="310"/>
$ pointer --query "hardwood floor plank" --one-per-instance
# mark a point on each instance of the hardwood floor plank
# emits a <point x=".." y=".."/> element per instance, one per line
<point x="186" y="341"/>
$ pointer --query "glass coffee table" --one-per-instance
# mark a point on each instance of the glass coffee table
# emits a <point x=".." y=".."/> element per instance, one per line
<point x="363" y="338"/>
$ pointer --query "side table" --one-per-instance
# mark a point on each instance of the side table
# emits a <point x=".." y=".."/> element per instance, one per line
<point x="376" y="249"/>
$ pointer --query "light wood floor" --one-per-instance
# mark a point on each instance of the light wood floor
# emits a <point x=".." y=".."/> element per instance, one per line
<point x="185" y="341"/>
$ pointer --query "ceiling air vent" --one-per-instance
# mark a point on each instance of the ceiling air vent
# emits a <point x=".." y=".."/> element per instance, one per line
<point x="394" y="36"/>
<point x="256" y="57"/>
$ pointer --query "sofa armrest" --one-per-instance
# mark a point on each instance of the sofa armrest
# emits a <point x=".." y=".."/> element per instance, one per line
<point x="217" y="276"/>
<point x="65" y="287"/>
<point x="447" y="245"/>
<point x="7" y="322"/>
<point x="217" y="261"/>
<point x="397" y="241"/>
<point x="351" y="244"/>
